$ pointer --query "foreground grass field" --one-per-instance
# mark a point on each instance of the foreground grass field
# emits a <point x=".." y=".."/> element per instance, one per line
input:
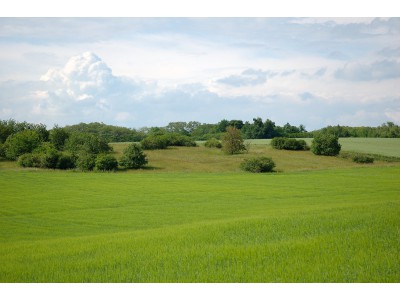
<point x="326" y="225"/>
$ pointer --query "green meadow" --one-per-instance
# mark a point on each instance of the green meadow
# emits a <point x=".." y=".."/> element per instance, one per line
<point x="193" y="216"/>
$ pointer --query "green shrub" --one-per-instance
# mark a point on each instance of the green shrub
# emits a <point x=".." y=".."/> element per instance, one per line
<point x="363" y="159"/>
<point x="85" y="161"/>
<point x="29" y="160"/>
<point x="213" y="143"/>
<point x="86" y="142"/>
<point x="65" y="161"/>
<point x="154" y="142"/>
<point x="106" y="162"/>
<point x="258" y="164"/>
<point x="326" y="144"/>
<point x="2" y="150"/>
<point x="133" y="157"/>
<point x="20" y="143"/>
<point x="284" y="143"/>
<point x="176" y="139"/>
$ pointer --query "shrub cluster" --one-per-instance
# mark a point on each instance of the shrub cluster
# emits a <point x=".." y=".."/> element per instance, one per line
<point x="258" y="164"/>
<point x="83" y="151"/>
<point x="50" y="160"/>
<point x="363" y="159"/>
<point x="213" y="143"/>
<point x="284" y="143"/>
<point x="162" y="141"/>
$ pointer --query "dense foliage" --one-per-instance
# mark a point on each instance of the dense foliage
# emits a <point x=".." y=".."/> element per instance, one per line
<point x="106" y="162"/>
<point x="108" y="133"/>
<point x="283" y="143"/>
<point x="232" y="141"/>
<point x="213" y="143"/>
<point x="133" y="157"/>
<point x="386" y="130"/>
<point x="20" y="143"/>
<point x="363" y="159"/>
<point x="258" y="164"/>
<point x="325" y="144"/>
<point x="161" y="140"/>
<point x="154" y="142"/>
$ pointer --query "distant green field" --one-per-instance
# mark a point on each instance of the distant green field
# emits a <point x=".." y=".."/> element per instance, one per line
<point x="327" y="225"/>
<point x="382" y="146"/>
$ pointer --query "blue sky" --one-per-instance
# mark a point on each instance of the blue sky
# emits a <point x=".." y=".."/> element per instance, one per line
<point x="139" y="72"/>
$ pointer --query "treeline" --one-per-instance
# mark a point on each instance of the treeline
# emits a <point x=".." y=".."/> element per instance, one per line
<point x="386" y="130"/>
<point x="196" y="131"/>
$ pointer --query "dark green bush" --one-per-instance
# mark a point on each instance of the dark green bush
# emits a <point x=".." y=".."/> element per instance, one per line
<point x="363" y="159"/>
<point x="258" y="164"/>
<point x="326" y="144"/>
<point x="2" y="150"/>
<point x="284" y="143"/>
<point x="154" y="142"/>
<point x="20" y="143"/>
<point x="65" y="161"/>
<point x="85" y="161"/>
<point x="176" y="139"/>
<point x="133" y="157"/>
<point x="86" y="142"/>
<point x="106" y="162"/>
<point x="29" y="160"/>
<point x="213" y="143"/>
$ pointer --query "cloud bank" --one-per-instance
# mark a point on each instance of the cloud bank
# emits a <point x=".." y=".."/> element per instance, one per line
<point x="148" y="72"/>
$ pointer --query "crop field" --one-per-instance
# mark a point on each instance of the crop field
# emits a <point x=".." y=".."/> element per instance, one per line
<point x="193" y="216"/>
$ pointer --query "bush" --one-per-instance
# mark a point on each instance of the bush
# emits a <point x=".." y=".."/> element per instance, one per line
<point x="86" y="142"/>
<point x="106" y="162"/>
<point x="288" y="144"/>
<point x="133" y="157"/>
<point x="176" y="139"/>
<point x="20" y="143"/>
<point x="258" y="164"/>
<point x="85" y="161"/>
<point x="2" y="150"/>
<point x="326" y="144"/>
<point x="29" y="160"/>
<point x="213" y="143"/>
<point x="65" y="161"/>
<point x="154" y="142"/>
<point x="363" y="159"/>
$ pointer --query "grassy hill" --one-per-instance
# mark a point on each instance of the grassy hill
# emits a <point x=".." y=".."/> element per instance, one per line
<point x="193" y="216"/>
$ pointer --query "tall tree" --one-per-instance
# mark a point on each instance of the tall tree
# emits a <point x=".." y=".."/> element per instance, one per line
<point x="232" y="141"/>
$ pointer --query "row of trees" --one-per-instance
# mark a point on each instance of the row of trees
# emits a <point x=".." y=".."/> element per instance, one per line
<point x="257" y="129"/>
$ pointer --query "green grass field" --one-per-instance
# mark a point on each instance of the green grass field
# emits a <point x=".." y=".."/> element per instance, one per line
<point x="193" y="216"/>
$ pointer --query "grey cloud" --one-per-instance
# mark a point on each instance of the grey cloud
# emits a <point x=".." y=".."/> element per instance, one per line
<point x="390" y="52"/>
<point x="248" y="77"/>
<point x="379" y="70"/>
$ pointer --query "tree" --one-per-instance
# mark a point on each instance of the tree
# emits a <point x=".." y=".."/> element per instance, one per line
<point x="232" y="141"/>
<point x="326" y="144"/>
<point x="133" y="157"/>
<point x="22" y="142"/>
<point x="87" y="142"/>
<point x="58" y="136"/>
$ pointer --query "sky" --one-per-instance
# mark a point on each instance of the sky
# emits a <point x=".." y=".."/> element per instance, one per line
<point x="146" y="71"/>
